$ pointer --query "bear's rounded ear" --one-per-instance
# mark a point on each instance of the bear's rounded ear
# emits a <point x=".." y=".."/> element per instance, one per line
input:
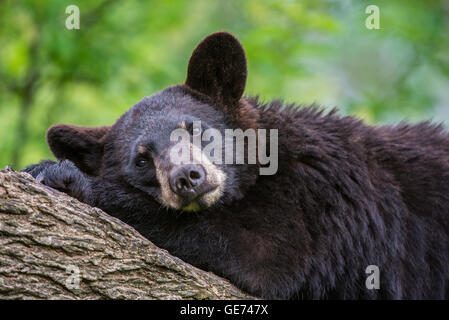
<point x="82" y="145"/>
<point x="217" y="68"/>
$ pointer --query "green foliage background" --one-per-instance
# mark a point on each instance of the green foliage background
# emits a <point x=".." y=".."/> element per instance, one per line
<point x="310" y="51"/>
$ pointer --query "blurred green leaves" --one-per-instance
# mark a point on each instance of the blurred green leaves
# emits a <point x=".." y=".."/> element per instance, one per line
<point x="302" y="51"/>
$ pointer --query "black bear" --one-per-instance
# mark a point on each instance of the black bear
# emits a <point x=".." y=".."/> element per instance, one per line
<point x="346" y="198"/>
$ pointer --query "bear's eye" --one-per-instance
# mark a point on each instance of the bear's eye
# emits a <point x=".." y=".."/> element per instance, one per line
<point x="141" y="163"/>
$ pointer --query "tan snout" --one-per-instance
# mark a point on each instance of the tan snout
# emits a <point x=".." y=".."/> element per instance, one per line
<point x="190" y="186"/>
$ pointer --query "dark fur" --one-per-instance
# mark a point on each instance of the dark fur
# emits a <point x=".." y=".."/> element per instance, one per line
<point x="346" y="195"/>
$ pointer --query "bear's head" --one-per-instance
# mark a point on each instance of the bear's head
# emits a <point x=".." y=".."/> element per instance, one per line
<point x="159" y="146"/>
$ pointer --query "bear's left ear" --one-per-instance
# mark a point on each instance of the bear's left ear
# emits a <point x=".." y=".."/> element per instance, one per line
<point x="218" y="68"/>
<point x="83" y="146"/>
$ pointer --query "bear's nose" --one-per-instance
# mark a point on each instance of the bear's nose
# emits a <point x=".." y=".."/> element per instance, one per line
<point x="186" y="179"/>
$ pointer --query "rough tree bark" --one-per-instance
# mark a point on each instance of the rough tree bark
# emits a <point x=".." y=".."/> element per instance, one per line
<point x="55" y="247"/>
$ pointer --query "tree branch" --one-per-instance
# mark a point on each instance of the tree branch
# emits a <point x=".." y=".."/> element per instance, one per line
<point x="49" y="240"/>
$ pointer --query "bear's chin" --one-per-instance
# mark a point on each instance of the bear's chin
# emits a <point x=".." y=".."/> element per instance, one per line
<point x="203" y="202"/>
<point x="192" y="206"/>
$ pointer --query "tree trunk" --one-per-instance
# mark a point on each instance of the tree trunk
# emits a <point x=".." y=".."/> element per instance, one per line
<point x="55" y="247"/>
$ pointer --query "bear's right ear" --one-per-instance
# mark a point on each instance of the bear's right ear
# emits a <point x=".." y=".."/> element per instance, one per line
<point x="218" y="68"/>
<point x="82" y="145"/>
